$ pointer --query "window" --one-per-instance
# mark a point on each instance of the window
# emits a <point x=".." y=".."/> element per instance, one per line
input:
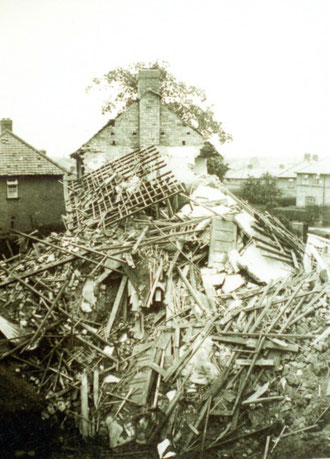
<point x="310" y="201"/>
<point x="12" y="189"/>
<point x="291" y="183"/>
<point x="305" y="180"/>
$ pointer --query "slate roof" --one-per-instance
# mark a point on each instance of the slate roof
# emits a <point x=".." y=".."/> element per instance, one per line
<point x="321" y="167"/>
<point x="256" y="172"/>
<point x="308" y="167"/>
<point x="17" y="158"/>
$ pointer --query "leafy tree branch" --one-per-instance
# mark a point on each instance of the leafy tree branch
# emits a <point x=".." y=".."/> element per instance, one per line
<point x="188" y="102"/>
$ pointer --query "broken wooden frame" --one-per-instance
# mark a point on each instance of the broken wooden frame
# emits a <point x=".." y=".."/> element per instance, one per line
<point x="119" y="189"/>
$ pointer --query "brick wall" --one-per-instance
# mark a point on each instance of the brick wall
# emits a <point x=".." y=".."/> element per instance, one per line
<point x="149" y="120"/>
<point x="173" y="132"/>
<point x="138" y="127"/>
<point x="149" y="80"/>
<point x="40" y="204"/>
<point x="288" y="187"/>
<point x="319" y="191"/>
<point x="123" y="132"/>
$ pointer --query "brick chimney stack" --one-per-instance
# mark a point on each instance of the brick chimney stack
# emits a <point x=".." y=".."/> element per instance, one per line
<point x="6" y="123"/>
<point x="149" y="107"/>
<point x="149" y="80"/>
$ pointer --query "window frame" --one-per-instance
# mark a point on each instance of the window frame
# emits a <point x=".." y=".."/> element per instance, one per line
<point x="12" y="189"/>
<point x="312" y="200"/>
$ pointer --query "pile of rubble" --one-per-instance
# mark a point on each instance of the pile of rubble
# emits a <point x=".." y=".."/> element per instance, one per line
<point x="185" y="331"/>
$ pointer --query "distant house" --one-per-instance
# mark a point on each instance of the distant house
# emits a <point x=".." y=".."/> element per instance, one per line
<point x="144" y="123"/>
<point x="285" y="174"/>
<point x="313" y="184"/>
<point x="286" y="180"/>
<point x="236" y="176"/>
<point x="31" y="196"/>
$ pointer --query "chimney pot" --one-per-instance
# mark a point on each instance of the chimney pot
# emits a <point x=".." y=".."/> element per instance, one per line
<point x="307" y="157"/>
<point x="315" y="157"/>
<point x="6" y="123"/>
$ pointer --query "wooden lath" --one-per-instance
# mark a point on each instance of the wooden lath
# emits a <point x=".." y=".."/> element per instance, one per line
<point x="119" y="189"/>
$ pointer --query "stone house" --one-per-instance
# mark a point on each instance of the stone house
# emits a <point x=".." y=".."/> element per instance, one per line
<point x="31" y="196"/>
<point x="313" y="184"/>
<point x="144" y="123"/>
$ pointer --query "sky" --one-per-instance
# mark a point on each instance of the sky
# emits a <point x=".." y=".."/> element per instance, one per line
<point x="264" y="64"/>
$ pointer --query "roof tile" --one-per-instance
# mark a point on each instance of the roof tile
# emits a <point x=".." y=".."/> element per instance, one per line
<point x="19" y="158"/>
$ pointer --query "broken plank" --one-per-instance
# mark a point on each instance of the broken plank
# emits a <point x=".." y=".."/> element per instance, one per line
<point x="84" y="390"/>
<point x="157" y="369"/>
<point x="139" y="240"/>
<point x="115" y="306"/>
<point x="155" y="283"/>
<point x="192" y="291"/>
<point x="263" y="399"/>
<point x="252" y="343"/>
<point x="143" y="379"/>
<point x="33" y="272"/>
<point x="258" y="362"/>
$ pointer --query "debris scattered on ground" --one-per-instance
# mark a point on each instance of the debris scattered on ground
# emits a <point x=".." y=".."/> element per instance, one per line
<point x="188" y="330"/>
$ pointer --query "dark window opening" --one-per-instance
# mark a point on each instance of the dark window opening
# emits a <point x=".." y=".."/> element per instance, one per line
<point x="134" y="133"/>
<point x="112" y="133"/>
<point x="113" y="142"/>
<point x="183" y="142"/>
<point x="188" y="133"/>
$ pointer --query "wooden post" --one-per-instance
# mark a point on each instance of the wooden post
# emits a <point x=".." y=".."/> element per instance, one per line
<point x="115" y="306"/>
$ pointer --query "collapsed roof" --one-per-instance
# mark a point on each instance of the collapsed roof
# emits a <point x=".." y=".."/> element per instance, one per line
<point x="171" y="325"/>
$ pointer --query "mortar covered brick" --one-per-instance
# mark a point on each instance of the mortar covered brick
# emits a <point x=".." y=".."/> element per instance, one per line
<point x="145" y="123"/>
<point x="123" y="131"/>
<point x="149" y="120"/>
<point x="320" y="192"/>
<point x="106" y="153"/>
<point x="174" y="132"/>
<point x="149" y="80"/>
<point x="40" y="204"/>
